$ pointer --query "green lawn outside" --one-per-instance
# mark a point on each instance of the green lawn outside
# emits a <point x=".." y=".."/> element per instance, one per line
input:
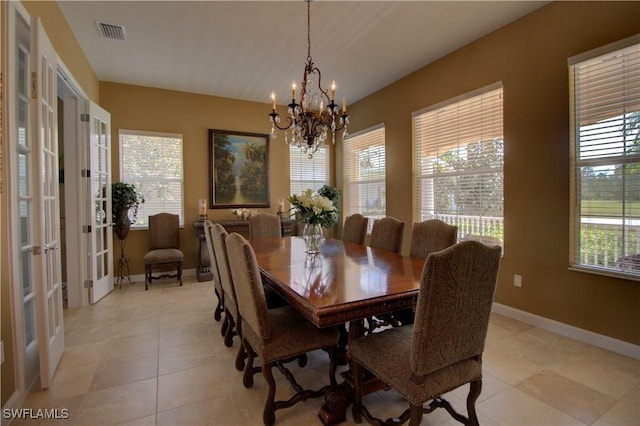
<point x="610" y="208"/>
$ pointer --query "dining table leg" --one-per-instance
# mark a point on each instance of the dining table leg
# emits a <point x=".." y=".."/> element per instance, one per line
<point x="337" y="399"/>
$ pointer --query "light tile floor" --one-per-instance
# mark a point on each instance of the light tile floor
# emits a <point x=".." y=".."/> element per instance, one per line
<point x="157" y="358"/>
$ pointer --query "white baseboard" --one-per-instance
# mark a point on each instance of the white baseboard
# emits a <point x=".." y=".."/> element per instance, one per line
<point x="579" y="334"/>
<point x="15" y="401"/>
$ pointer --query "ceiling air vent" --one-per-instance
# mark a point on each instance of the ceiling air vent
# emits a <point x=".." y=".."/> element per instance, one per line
<point x="111" y="31"/>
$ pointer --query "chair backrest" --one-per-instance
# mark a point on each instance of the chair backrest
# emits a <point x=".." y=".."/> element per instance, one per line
<point x="453" y="307"/>
<point x="431" y="235"/>
<point x="264" y="225"/>
<point x="387" y="234"/>
<point x="220" y="237"/>
<point x="164" y="231"/>
<point x="252" y="304"/>
<point x="355" y="228"/>
<point x="213" y="262"/>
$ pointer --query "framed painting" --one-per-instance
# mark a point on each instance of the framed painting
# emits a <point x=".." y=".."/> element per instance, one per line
<point x="238" y="169"/>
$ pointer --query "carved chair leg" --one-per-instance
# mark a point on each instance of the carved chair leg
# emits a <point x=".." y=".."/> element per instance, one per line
<point x="415" y="414"/>
<point x="225" y="325"/>
<point x="475" y="388"/>
<point x="269" y="415"/>
<point x="217" y="314"/>
<point x="240" y="358"/>
<point x="180" y="273"/>
<point x="230" y="332"/>
<point x="249" y="369"/>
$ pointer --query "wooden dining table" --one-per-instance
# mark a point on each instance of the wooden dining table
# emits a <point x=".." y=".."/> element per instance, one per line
<point x="345" y="283"/>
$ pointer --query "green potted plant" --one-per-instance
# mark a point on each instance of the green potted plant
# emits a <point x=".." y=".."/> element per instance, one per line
<point x="124" y="197"/>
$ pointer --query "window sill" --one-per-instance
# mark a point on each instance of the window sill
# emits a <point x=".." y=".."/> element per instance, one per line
<point x="605" y="272"/>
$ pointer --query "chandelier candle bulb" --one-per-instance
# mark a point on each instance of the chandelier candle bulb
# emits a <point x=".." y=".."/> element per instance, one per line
<point x="333" y="89"/>
<point x="273" y="100"/>
<point x="344" y="105"/>
<point x="293" y="90"/>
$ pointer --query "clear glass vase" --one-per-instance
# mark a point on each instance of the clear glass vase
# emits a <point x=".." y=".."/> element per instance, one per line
<point x="313" y="238"/>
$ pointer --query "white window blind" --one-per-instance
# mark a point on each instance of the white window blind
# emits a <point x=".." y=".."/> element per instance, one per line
<point x="153" y="163"/>
<point x="308" y="172"/>
<point x="365" y="174"/>
<point x="459" y="157"/>
<point x="605" y="172"/>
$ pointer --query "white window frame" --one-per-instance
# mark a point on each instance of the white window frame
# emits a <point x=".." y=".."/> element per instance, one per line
<point x="599" y="242"/>
<point x="145" y="210"/>
<point x="451" y="127"/>
<point x="355" y="177"/>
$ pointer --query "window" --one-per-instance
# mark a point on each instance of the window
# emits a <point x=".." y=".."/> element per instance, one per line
<point x="308" y="172"/>
<point x="459" y="156"/>
<point x="605" y="160"/>
<point x="364" y="174"/>
<point x="153" y="163"/>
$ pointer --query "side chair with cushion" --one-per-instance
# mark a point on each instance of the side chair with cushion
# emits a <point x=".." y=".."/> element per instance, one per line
<point x="387" y="234"/>
<point x="274" y="335"/>
<point x="355" y="228"/>
<point x="208" y="229"/>
<point x="443" y="349"/>
<point x="431" y="235"/>
<point x="164" y="247"/>
<point x="264" y="225"/>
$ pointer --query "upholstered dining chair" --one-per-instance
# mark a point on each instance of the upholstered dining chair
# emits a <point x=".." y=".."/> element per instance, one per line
<point x="219" y="238"/>
<point x="264" y="225"/>
<point x="431" y="235"/>
<point x="443" y="349"/>
<point x="217" y="285"/>
<point x="164" y="247"/>
<point x="387" y="234"/>
<point x="355" y="228"/>
<point x="233" y="326"/>
<point x="274" y="335"/>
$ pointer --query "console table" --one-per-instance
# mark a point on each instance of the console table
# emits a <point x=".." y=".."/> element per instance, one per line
<point x="203" y="271"/>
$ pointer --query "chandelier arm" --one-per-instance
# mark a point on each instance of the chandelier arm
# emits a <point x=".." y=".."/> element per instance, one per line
<point x="274" y="121"/>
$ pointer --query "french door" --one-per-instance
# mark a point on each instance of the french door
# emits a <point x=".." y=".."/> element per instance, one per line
<point x="46" y="254"/>
<point x="98" y="192"/>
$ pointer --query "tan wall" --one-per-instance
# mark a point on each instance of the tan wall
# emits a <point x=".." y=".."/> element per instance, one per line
<point x="156" y="110"/>
<point x="530" y="58"/>
<point x="65" y="44"/>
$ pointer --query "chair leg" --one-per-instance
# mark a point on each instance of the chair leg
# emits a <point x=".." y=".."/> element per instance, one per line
<point x="147" y="278"/>
<point x="415" y="414"/>
<point x="180" y="273"/>
<point x="249" y="369"/>
<point x="225" y="325"/>
<point x="217" y="314"/>
<point x="230" y="331"/>
<point x="475" y="388"/>
<point x="269" y="415"/>
<point x="241" y="357"/>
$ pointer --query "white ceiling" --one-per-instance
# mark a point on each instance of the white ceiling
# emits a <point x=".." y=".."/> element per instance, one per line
<point x="246" y="49"/>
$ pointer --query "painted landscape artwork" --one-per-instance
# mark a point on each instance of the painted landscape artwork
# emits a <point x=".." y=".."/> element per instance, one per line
<point x="239" y="164"/>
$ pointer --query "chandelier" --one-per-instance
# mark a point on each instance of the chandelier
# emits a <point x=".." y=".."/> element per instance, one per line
<point x="310" y="121"/>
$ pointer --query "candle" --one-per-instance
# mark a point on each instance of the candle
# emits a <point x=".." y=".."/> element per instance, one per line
<point x="344" y="105"/>
<point x="333" y="90"/>
<point x="273" y="100"/>
<point x="202" y="207"/>
<point x="293" y="90"/>
<point x="281" y="206"/>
